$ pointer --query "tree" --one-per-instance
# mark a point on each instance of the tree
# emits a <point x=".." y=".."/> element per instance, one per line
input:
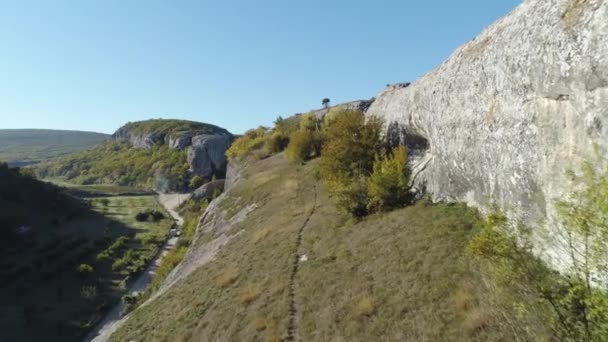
<point x="351" y="145"/>
<point x="388" y="183"/>
<point x="196" y="182"/>
<point x="325" y="102"/>
<point x="347" y="159"/>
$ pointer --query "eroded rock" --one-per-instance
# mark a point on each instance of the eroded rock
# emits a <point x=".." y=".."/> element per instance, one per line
<point x="507" y="114"/>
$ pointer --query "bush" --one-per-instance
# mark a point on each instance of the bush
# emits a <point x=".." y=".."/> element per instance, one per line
<point x="388" y="183"/>
<point x="352" y="196"/>
<point x="347" y="159"/>
<point x="276" y="143"/>
<point x="142" y="216"/>
<point x="85" y="270"/>
<point x="304" y="145"/>
<point x="351" y="145"/>
<point x="252" y="139"/>
<point x="196" y="182"/>
<point x="156" y="215"/>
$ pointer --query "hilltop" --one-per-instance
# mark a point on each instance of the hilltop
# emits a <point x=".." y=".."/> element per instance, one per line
<point x="29" y="146"/>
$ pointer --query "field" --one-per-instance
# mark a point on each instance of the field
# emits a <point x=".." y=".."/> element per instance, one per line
<point x="97" y="190"/>
<point x="399" y="276"/>
<point x="27" y="146"/>
<point x="62" y="276"/>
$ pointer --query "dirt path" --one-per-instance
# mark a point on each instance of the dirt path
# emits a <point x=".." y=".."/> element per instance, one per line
<point x="112" y="320"/>
<point x="292" y="323"/>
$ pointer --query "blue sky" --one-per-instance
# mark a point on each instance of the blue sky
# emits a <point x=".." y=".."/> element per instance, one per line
<point x="94" y="65"/>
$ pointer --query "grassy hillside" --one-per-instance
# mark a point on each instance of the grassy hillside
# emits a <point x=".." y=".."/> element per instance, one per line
<point x="71" y="260"/>
<point x="115" y="162"/>
<point x="27" y="146"/>
<point x="398" y="276"/>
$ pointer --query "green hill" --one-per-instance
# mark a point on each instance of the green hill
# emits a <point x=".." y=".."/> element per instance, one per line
<point x="27" y="146"/>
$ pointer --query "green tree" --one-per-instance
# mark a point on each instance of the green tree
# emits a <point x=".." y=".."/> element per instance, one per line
<point x="196" y="182"/>
<point x="325" y="102"/>
<point x="351" y="145"/>
<point x="388" y="184"/>
<point x="347" y="159"/>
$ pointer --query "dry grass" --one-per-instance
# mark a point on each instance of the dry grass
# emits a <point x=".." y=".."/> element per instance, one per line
<point x="259" y="235"/>
<point x="227" y="278"/>
<point x="463" y="300"/>
<point x="400" y="276"/>
<point x="477" y="320"/>
<point x="250" y="294"/>
<point x="364" y="307"/>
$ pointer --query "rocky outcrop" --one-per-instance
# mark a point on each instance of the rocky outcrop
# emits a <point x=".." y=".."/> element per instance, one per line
<point x="209" y="190"/>
<point x="508" y="113"/>
<point x="206" y="152"/>
<point x="207" y="155"/>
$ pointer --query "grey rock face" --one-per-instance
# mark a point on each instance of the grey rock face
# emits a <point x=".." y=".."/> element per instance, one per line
<point x="209" y="189"/>
<point x="180" y="142"/>
<point x="508" y="113"/>
<point x="207" y="155"/>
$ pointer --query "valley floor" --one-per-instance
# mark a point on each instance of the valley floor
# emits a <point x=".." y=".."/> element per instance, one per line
<point x="41" y="282"/>
<point x="111" y="321"/>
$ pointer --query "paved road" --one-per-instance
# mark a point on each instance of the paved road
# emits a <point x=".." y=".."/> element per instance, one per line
<point x="112" y="321"/>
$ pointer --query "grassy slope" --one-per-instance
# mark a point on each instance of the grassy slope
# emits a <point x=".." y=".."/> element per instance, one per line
<point x="46" y="293"/>
<point x="34" y="145"/>
<point x="397" y="276"/>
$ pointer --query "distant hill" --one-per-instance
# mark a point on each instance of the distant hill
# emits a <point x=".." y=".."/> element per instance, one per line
<point x="20" y="147"/>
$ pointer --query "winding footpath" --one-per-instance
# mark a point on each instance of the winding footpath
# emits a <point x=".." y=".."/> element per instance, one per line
<point x="292" y="322"/>
<point x="111" y="321"/>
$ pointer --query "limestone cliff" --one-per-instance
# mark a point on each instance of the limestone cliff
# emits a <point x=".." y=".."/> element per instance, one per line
<point x="206" y="144"/>
<point x="508" y="113"/>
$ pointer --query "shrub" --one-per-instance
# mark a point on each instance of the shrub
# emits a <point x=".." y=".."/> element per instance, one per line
<point x="347" y="159"/>
<point x="84" y="270"/>
<point x="303" y="145"/>
<point x="276" y="142"/>
<point x="351" y="144"/>
<point x="352" y="196"/>
<point x="142" y="216"/>
<point x="252" y="139"/>
<point x="156" y="215"/>
<point x="388" y="183"/>
<point x="196" y="182"/>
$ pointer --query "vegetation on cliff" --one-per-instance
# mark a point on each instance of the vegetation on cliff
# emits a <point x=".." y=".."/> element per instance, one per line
<point x="170" y="127"/>
<point x="116" y="162"/>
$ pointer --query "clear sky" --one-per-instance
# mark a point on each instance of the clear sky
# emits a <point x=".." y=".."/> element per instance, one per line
<point x="94" y="65"/>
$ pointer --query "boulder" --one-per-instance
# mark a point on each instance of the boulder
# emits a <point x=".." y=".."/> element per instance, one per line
<point x="208" y="190"/>
<point x="502" y="120"/>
